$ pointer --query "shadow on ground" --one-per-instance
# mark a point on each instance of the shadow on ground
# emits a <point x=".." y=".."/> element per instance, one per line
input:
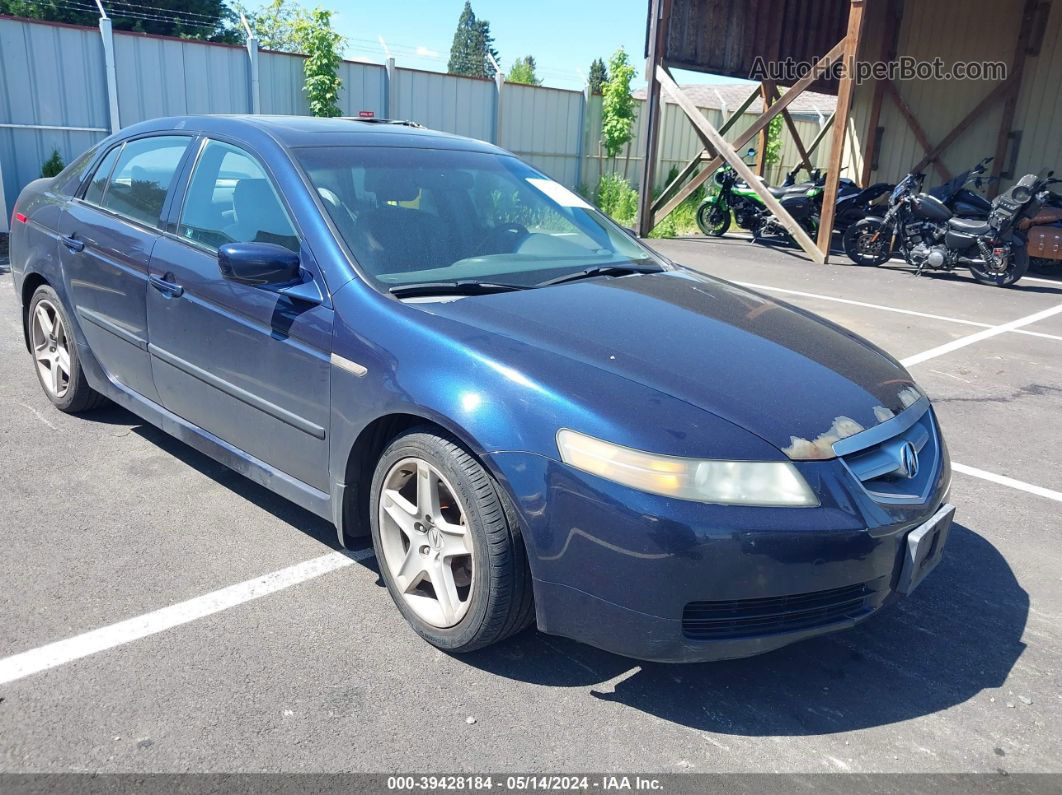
<point x="285" y="510"/>
<point x="958" y="634"/>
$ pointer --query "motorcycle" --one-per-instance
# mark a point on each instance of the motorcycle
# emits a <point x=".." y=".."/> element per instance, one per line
<point x="930" y="236"/>
<point x="735" y="198"/>
<point x="960" y="199"/>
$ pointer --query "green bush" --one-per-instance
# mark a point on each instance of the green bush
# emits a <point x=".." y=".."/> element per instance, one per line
<point x="53" y="165"/>
<point x="617" y="199"/>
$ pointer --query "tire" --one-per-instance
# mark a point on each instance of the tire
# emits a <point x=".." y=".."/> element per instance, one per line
<point x="1019" y="264"/>
<point x="858" y="243"/>
<point x="493" y="575"/>
<point x="713" y="219"/>
<point x="55" y="355"/>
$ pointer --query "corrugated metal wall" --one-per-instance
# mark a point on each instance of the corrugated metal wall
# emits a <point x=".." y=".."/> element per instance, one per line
<point x="37" y="87"/>
<point x="459" y="105"/>
<point x="956" y="30"/>
<point x="167" y="77"/>
<point x="54" y="75"/>
<point x="544" y="127"/>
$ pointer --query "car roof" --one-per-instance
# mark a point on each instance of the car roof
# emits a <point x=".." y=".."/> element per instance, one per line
<point x="296" y="131"/>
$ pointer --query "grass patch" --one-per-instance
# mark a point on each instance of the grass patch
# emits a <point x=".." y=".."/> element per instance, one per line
<point x="617" y="199"/>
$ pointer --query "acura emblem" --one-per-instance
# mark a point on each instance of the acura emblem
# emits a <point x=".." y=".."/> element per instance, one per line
<point x="908" y="460"/>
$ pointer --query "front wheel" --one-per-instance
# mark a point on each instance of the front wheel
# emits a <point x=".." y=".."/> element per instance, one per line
<point x="868" y="242"/>
<point x="713" y="219"/>
<point x="1007" y="273"/>
<point x="448" y="543"/>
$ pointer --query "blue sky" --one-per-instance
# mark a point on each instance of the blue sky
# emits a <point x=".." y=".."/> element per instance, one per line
<point x="564" y="36"/>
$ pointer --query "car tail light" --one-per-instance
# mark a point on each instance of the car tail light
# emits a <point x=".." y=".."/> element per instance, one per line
<point x="20" y="218"/>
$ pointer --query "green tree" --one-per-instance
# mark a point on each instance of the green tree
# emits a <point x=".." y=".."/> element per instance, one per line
<point x="617" y="107"/>
<point x="315" y="38"/>
<point x="773" y="153"/>
<point x="274" y="24"/>
<point x="598" y="76"/>
<point x="523" y="71"/>
<point x="472" y="47"/>
<point x="211" y="20"/>
<point x="53" y="165"/>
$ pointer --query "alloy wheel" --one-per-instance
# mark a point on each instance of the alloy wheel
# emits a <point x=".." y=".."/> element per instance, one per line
<point x="51" y="350"/>
<point x="427" y="546"/>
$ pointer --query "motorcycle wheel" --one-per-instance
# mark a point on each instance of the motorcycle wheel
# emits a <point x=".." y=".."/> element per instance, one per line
<point x="1019" y="263"/>
<point x="862" y="248"/>
<point x="713" y="219"/>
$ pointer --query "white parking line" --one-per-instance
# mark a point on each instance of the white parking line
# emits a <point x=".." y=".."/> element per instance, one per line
<point x="896" y="309"/>
<point x="962" y="342"/>
<point x="1003" y="480"/>
<point x="61" y="652"/>
<point x="52" y="655"/>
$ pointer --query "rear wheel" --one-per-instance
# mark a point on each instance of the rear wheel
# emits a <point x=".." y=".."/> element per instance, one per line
<point x="448" y="544"/>
<point x="1006" y="273"/>
<point x="867" y="242"/>
<point x="713" y="219"/>
<point x="55" y="355"/>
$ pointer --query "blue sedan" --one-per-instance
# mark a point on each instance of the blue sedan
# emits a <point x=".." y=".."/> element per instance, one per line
<point x="537" y="418"/>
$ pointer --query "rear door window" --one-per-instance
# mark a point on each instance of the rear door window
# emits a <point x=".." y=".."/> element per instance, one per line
<point x="98" y="186"/>
<point x="137" y="187"/>
<point x="230" y="199"/>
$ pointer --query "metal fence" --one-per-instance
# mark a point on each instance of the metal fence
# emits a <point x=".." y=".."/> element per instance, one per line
<point x="60" y="90"/>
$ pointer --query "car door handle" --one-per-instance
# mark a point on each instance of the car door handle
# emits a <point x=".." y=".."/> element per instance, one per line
<point x="167" y="288"/>
<point x="73" y="243"/>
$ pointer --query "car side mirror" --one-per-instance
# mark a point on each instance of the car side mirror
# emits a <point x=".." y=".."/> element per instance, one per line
<point x="258" y="264"/>
<point x="630" y="231"/>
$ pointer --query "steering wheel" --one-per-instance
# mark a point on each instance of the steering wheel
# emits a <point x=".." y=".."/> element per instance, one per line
<point x="507" y="238"/>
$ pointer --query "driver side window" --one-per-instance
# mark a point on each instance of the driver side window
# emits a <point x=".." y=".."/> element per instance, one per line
<point x="232" y="200"/>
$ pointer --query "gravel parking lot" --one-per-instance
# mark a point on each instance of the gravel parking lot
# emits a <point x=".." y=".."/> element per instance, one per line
<point x="107" y="520"/>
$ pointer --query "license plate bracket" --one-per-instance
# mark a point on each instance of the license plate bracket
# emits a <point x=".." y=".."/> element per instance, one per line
<point x="924" y="548"/>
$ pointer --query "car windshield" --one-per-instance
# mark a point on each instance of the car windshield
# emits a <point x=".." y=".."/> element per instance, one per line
<point x="435" y="216"/>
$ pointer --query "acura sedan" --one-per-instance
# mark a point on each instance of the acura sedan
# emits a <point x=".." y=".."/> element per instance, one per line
<point x="536" y="417"/>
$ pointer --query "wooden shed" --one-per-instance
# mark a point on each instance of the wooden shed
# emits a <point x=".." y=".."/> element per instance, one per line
<point x="883" y="127"/>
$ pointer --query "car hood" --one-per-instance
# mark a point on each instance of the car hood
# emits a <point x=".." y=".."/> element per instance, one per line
<point x="794" y="379"/>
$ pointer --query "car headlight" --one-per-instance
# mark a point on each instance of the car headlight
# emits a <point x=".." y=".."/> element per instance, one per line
<point x="763" y="483"/>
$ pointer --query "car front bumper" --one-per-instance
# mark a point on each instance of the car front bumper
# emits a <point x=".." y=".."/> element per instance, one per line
<point x="670" y="580"/>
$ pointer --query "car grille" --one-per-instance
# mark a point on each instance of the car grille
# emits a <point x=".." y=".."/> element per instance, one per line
<point x="877" y="466"/>
<point x="738" y="618"/>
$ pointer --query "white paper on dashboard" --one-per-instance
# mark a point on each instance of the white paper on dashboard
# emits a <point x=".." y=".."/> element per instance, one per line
<point x="557" y="192"/>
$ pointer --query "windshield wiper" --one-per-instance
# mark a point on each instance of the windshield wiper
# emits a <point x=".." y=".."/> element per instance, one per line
<point x="600" y="270"/>
<point x="452" y="288"/>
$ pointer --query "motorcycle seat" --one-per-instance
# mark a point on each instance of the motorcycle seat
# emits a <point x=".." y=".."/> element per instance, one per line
<point x="790" y="190"/>
<point x="969" y="226"/>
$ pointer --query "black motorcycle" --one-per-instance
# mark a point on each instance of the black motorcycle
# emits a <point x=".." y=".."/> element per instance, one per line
<point x="958" y="198"/>
<point x="929" y="236"/>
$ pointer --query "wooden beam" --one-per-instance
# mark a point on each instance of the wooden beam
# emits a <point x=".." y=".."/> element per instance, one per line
<point x="840" y="127"/>
<point x="1001" y="91"/>
<point x="919" y="133"/>
<point x="761" y="139"/>
<point x="891" y="39"/>
<point x="732" y="157"/>
<point x="816" y="71"/>
<point x="658" y="25"/>
<point x="804" y="156"/>
<point x="731" y="120"/>
<point x="1010" y="106"/>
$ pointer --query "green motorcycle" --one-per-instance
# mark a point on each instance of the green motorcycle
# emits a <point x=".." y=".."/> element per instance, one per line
<point x="736" y="199"/>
